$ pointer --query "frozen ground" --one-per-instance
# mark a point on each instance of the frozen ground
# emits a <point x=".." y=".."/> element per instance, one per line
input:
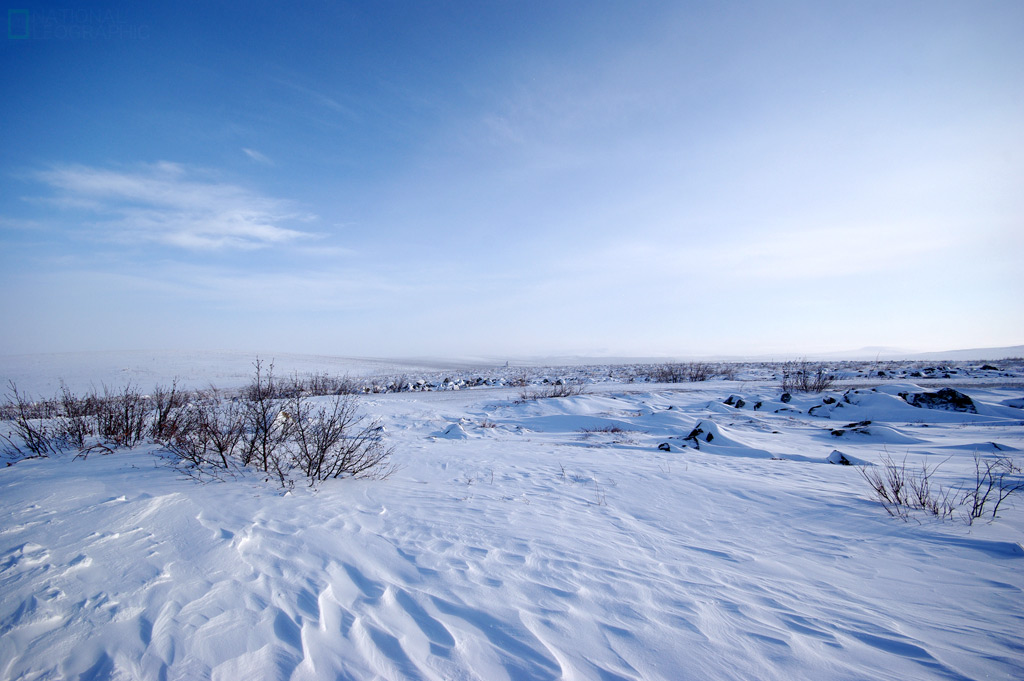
<point x="547" y="539"/>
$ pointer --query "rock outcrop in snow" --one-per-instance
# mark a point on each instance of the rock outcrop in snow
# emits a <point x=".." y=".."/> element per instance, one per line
<point x="946" y="399"/>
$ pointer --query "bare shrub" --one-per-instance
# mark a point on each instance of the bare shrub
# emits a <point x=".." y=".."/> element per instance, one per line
<point x="18" y="405"/>
<point x="889" y="483"/>
<point x="121" y="416"/>
<point x="375" y="386"/>
<point x="602" y="429"/>
<point x="265" y="424"/>
<point x="994" y="481"/>
<point x="35" y="438"/>
<point x="929" y="497"/>
<point x="675" y="372"/>
<point x="207" y="433"/>
<point x="804" y="376"/>
<point x="77" y="423"/>
<point x="84" y="452"/>
<point x="331" y="441"/>
<point x="316" y="383"/>
<point x="699" y="371"/>
<point x="729" y="371"/>
<point x="281" y="437"/>
<point x="189" y="444"/>
<point x="289" y="387"/>
<point x="400" y="383"/>
<point x="325" y="384"/>
<point x="168" y="411"/>
<point x="311" y="384"/>
<point x="222" y="426"/>
<point x="670" y="372"/>
<point x="560" y="388"/>
<point x="901" y="489"/>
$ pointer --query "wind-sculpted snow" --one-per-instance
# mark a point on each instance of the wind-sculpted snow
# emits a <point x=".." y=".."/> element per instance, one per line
<point x="547" y="539"/>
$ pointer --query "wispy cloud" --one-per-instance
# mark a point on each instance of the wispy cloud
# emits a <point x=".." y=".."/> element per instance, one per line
<point x="317" y="96"/>
<point x="172" y="204"/>
<point x="257" y="156"/>
<point x="7" y="223"/>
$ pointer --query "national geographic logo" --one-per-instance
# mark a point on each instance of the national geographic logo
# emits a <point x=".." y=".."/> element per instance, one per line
<point x="73" y="24"/>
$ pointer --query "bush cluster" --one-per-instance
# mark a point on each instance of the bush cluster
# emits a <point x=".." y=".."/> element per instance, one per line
<point x="806" y="377"/>
<point x="273" y="426"/>
<point x="674" y="372"/>
<point x="901" y="490"/>
<point x="558" y="388"/>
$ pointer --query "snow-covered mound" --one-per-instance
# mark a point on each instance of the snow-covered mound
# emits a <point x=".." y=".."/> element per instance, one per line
<point x="707" y="436"/>
<point x="838" y="458"/>
<point x="453" y="431"/>
<point x="877" y="433"/>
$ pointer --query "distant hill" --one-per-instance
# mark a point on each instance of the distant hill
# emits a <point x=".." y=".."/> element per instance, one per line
<point x="884" y="353"/>
<point x="975" y="353"/>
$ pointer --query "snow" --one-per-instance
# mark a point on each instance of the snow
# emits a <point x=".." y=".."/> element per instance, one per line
<point x="545" y="539"/>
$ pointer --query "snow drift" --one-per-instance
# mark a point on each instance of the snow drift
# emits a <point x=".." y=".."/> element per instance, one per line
<point x="555" y="542"/>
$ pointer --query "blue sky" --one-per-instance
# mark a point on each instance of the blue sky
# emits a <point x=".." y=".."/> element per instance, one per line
<point x="512" y="178"/>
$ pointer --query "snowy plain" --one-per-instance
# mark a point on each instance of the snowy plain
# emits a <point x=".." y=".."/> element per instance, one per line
<point x="581" y="537"/>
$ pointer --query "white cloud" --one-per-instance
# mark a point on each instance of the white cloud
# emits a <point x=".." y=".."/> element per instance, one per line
<point x="171" y="204"/>
<point x="257" y="156"/>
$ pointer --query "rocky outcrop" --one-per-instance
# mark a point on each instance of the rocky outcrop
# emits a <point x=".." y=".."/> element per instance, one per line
<point x="946" y="399"/>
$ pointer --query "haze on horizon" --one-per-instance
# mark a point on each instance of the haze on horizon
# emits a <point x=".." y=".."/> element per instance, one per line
<point x="497" y="178"/>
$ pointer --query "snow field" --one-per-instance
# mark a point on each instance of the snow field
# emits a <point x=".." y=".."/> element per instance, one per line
<point x="549" y="539"/>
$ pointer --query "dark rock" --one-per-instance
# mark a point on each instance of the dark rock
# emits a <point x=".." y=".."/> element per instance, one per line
<point x="735" y="401"/>
<point x="946" y="399"/>
<point x="838" y="458"/>
<point x="757" y="405"/>
<point x="859" y="427"/>
<point x="665" y="447"/>
<point x="786" y="397"/>
<point x="829" y="400"/>
<point x="696" y="433"/>
<point x="989" y="367"/>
